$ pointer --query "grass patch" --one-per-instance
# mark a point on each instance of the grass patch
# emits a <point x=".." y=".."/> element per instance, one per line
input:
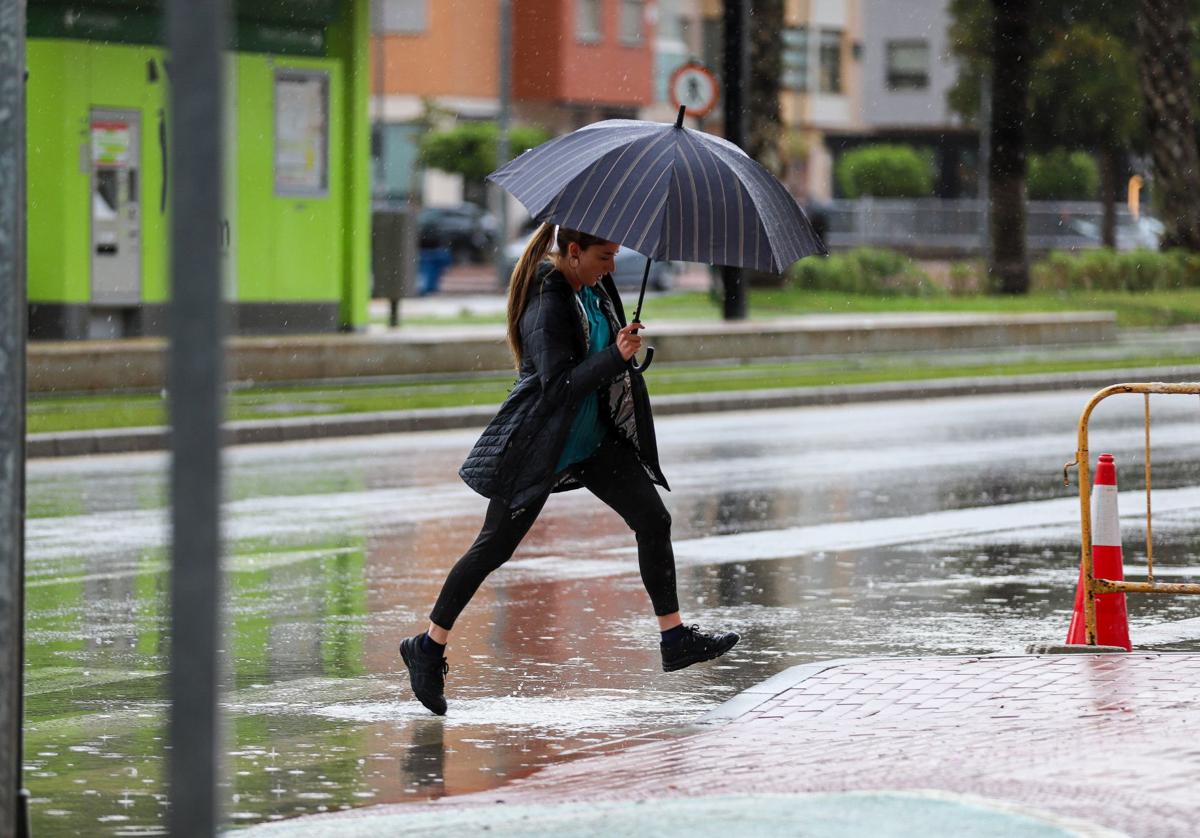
<point x="46" y="415"/>
<point x="1133" y="309"/>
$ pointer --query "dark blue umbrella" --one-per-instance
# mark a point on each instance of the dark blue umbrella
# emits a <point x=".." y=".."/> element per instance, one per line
<point x="667" y="192"/>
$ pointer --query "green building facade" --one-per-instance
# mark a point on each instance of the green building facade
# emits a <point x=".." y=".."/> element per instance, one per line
<point x="296" y="230"/>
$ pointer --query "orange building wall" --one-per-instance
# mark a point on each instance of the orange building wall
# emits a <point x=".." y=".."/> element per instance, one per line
<point x="549" y="63"/>
<point x="541" y="29"/>
<point x="458" y="55"/>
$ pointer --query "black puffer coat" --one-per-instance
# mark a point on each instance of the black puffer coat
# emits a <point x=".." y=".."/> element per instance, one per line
<point x="515" y="457"/>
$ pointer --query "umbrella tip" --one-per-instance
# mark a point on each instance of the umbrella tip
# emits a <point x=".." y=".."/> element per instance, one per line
<point x="679" y="119"/>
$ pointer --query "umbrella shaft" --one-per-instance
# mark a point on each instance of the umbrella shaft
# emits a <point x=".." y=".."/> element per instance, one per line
<point x="637" y="314"/>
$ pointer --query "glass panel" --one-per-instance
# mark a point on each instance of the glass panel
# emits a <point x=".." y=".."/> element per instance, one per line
<point x="405" y="16"/>
<point x="106" y="200"/>
<point x="830" y="58"/>
<point x="301" y="133"/>
<point x="399" y="160"/>
<point x="907" y="65"/>
<point x="795" y="58"/>
<point x="631" y="21"/>
<point x="587" y="20"/>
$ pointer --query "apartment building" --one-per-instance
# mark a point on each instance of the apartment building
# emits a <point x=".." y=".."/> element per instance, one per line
<point x="436" y="62"/>
<point x="907" y="70"/>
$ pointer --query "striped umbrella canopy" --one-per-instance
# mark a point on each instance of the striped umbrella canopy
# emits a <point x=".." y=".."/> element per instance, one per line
<point x="666" y="191"/>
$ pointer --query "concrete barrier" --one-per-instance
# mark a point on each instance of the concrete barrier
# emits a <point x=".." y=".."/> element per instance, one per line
<point x="139" y="364"/>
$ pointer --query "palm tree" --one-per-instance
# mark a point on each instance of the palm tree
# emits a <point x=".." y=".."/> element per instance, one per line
<point x="766" y="68"/>
<point x="1008" y="263"/>
<point x="1164" y="63"/>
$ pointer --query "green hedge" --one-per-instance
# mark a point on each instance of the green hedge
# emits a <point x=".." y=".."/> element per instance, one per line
<point x="1063" y="176"/>
<point x="885" y="171"/>
<point x="883" y="273"/>
<point x="1108" y="270"/>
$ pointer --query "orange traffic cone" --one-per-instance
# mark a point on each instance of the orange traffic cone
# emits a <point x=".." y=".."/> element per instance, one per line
<point x="1112" y="622"/>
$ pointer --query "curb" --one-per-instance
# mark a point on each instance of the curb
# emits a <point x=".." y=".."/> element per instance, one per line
<point x="129" y="440"/>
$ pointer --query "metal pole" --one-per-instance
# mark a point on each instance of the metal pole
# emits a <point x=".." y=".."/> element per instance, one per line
<point x="379" y="189"/>
<point x="195" y="38"/>
<point x="985" y="165"/>
<point x="14" y="800"/>
<point x="502" y="124"/>
<point x="735" y="72"/>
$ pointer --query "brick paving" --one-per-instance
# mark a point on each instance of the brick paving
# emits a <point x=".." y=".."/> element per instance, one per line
<point x="1108" y="739"/>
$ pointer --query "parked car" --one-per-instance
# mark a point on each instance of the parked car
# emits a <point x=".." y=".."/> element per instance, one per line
<point x="630" y="265"/>
<point x="470" y="232"/>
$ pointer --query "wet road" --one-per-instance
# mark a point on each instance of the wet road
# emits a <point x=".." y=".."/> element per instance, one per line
<point x="924" y="527"/>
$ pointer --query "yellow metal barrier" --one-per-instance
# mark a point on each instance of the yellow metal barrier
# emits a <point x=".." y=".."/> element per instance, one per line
<point x="1092" y="585"/>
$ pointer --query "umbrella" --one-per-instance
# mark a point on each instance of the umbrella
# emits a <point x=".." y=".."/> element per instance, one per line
<point x="665" y="191"/>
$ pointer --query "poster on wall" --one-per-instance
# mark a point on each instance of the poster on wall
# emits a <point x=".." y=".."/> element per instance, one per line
<point x="301" y="133"/>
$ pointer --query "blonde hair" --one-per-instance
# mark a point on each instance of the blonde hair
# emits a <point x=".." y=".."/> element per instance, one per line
<point x="525" y="273"/>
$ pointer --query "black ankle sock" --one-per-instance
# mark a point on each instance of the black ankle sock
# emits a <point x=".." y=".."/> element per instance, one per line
<point x="673" y="635"/>
<point x="431" y="647"/>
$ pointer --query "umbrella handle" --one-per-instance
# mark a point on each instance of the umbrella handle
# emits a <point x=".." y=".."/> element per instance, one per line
<point x="644" y="365"/>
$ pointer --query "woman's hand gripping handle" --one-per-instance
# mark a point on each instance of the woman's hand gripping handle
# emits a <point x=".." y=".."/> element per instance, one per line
<point x="629" y="343"/>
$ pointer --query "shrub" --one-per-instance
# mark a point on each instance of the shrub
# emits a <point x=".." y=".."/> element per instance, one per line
<point x="469" y="148"/>
<point x="885" y="273"/>
<point x="1063" y="176"/>
<point x="1108" y="270"/>
<point x="965" y="278"/>
<point x="885" y="171"/>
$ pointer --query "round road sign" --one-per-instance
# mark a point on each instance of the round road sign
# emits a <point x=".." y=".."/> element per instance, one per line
<point x="695" y="87"/>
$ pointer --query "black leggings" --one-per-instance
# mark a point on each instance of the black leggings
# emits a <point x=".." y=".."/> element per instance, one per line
<point x="612" y="474"/>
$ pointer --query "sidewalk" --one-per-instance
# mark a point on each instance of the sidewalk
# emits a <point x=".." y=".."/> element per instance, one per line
<point x="1090" y="745"/>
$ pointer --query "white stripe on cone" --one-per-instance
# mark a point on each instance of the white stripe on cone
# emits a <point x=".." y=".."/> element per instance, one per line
<point x="1106" y="523"/>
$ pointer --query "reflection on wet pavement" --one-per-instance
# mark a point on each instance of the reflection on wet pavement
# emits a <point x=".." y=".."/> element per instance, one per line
<point x="854" y="531"/>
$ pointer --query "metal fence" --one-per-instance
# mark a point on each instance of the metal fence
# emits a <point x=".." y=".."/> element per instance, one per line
<point x="957" y="227"/>
<point x="1092" y="585"/>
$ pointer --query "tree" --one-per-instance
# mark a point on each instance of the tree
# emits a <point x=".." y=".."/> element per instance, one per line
<point x="469" y="149"/>
<point x="1008" y="263"/>
<point x="1164" y="36"/>
<point x="1085" y="95"/>
<point x="1062" y="175"/>
<point x="764" y="125"/>
<point x="1082" y="94"/>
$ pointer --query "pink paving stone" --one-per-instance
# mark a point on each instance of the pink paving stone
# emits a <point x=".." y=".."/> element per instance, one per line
<point x="1106" y="739"/>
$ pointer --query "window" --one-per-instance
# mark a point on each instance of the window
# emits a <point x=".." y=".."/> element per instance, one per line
<point x="631" y="21"/>
<point x="404" y="17"/>
<point x="301" y="132"/>
<point x="907" y="65"/>
<point x="672" y="23"/>
<point x="588" y="23"/>
<point x="795" y="58"/>
<point x="830" y="61"/>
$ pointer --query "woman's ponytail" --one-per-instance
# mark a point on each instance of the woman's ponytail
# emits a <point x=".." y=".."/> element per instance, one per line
<point x="523" y="277"/>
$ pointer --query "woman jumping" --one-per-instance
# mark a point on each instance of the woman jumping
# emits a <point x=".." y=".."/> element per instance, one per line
<point x="576" y="417"/>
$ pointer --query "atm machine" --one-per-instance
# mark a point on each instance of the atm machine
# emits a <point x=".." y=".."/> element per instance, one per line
<point x="116" y="221"/>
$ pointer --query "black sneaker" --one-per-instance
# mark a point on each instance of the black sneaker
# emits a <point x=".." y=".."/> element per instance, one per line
<point x="696" y="646"/>
<point x="426" y="673"/>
